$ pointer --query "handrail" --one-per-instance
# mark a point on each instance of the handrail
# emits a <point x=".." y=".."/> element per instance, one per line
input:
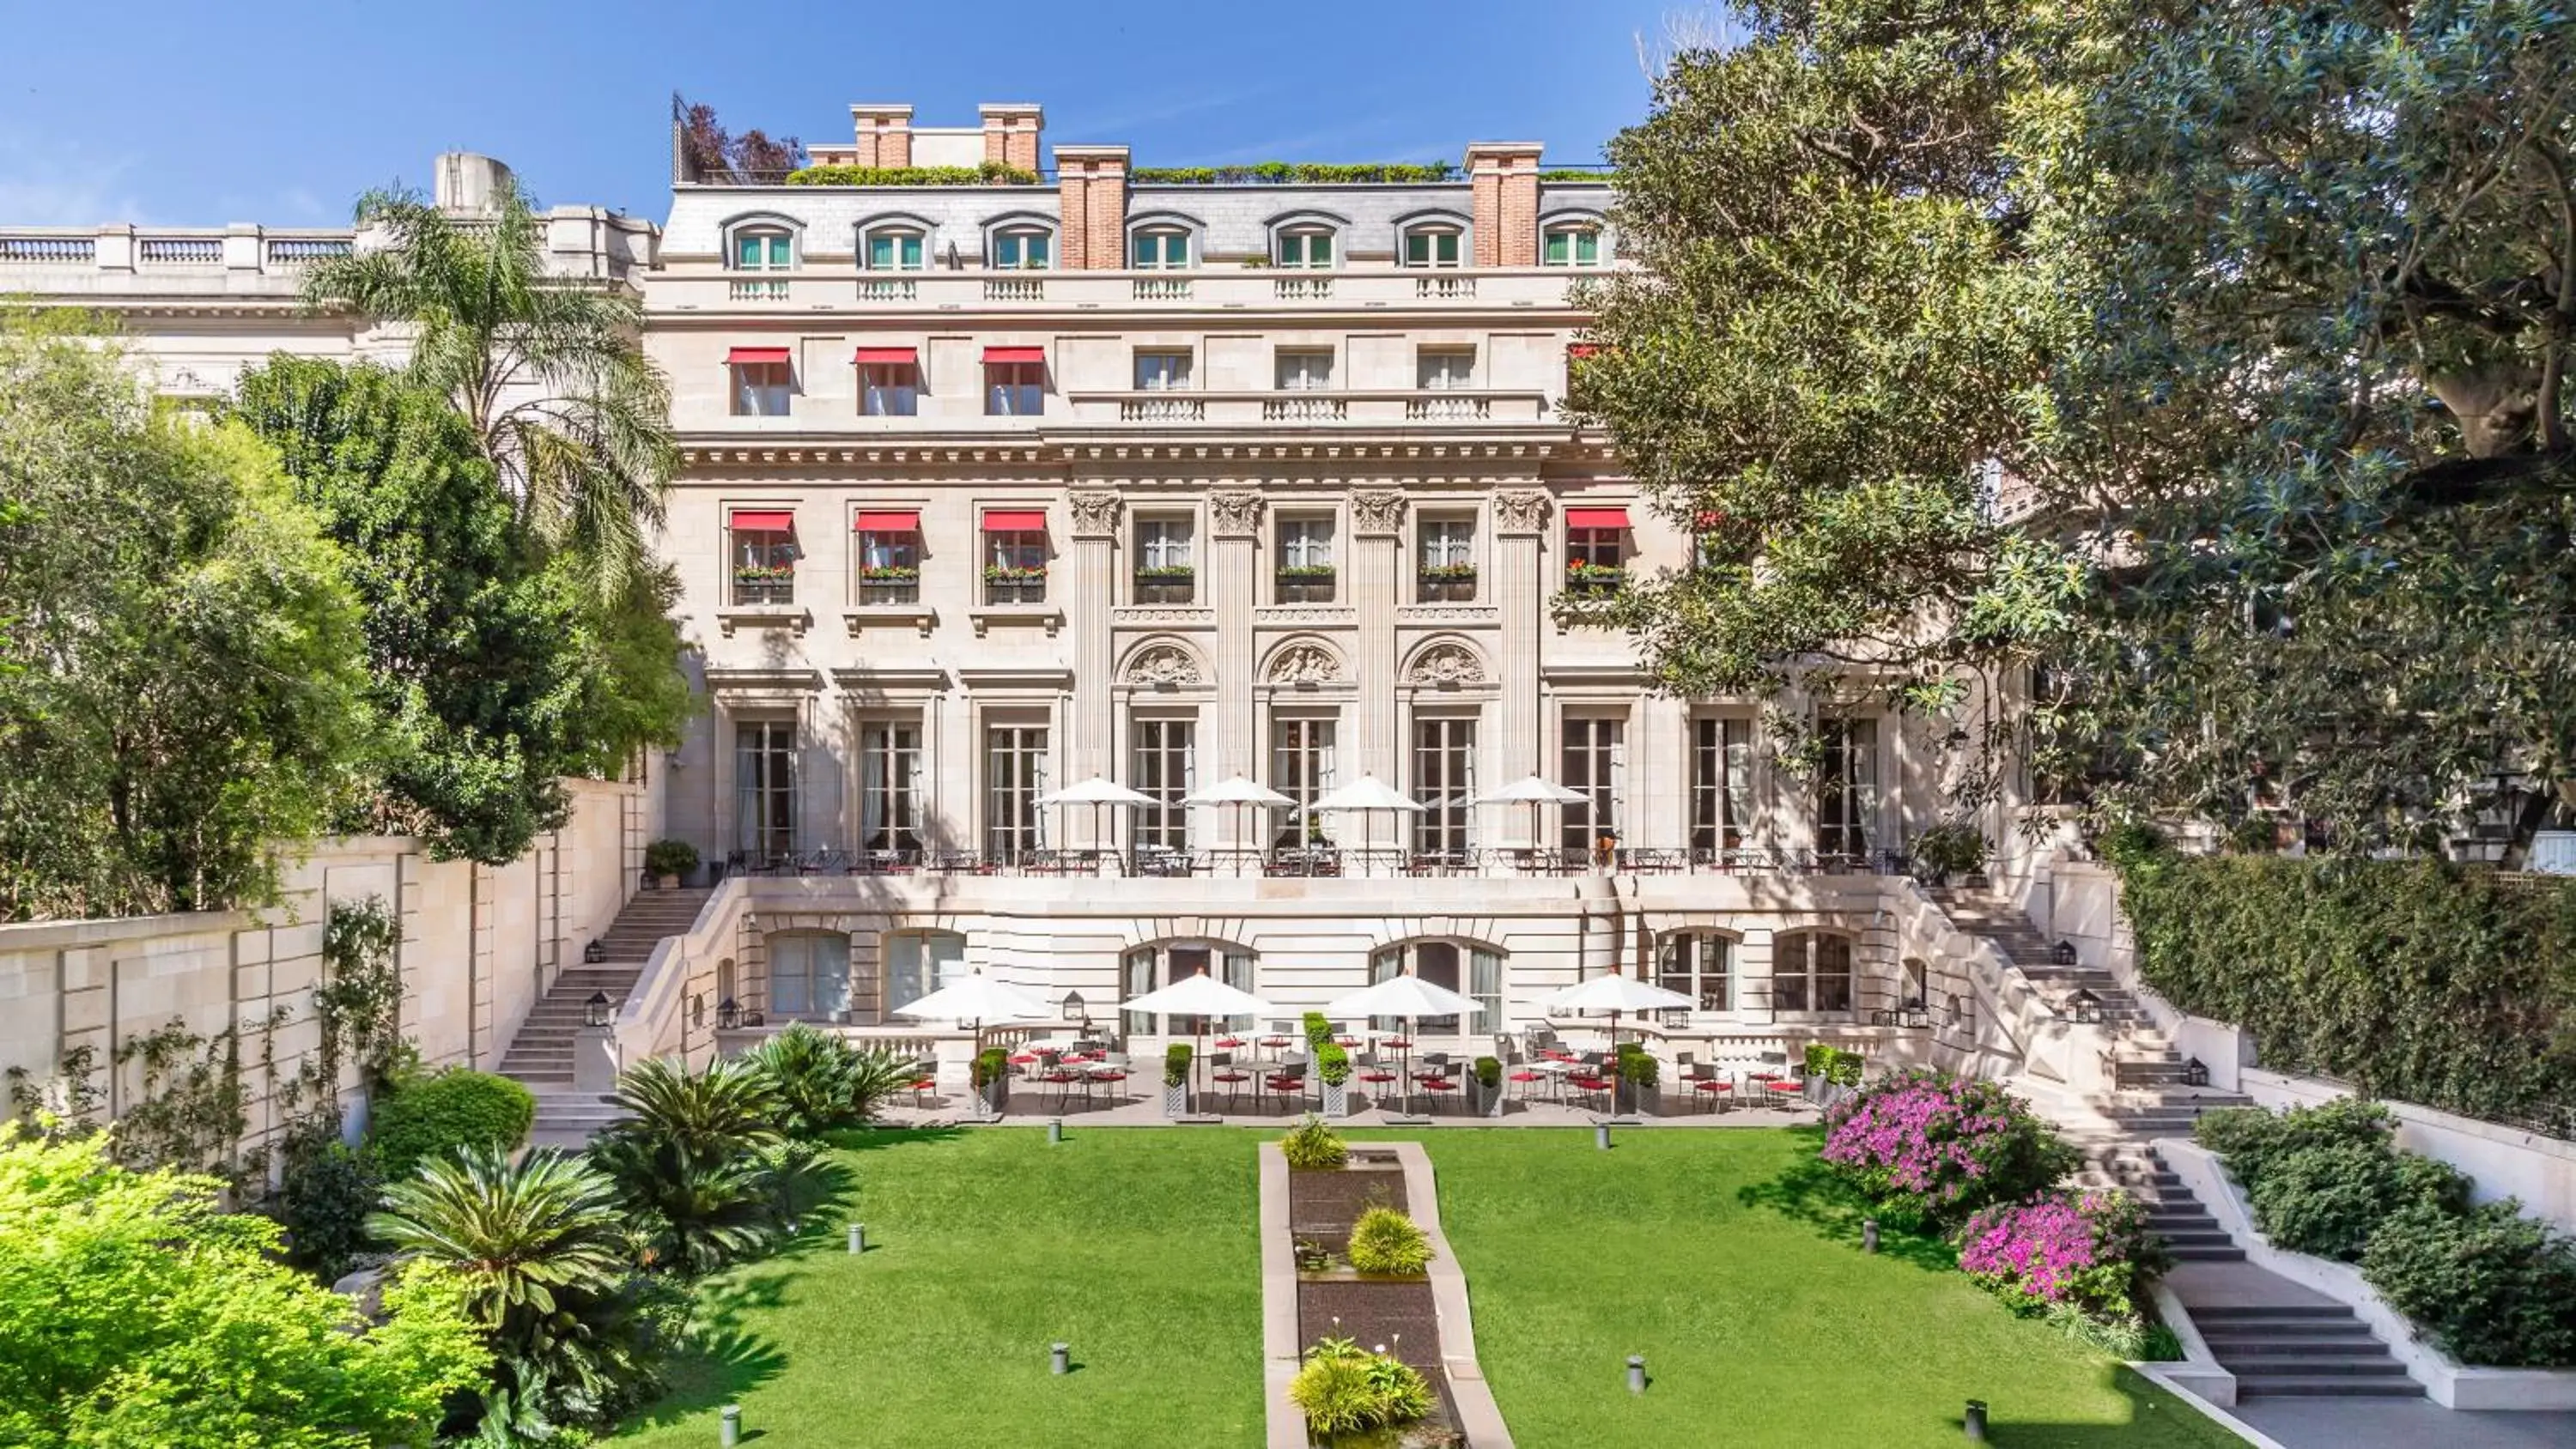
<point x="648" y="1023"/>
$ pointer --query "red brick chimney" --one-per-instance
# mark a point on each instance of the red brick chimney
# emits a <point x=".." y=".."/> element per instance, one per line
<point x="1091" y="183"/>
<point x="1011" y="131"/>
<point x="1504" y="175"/>
<point x="884" y="134"/>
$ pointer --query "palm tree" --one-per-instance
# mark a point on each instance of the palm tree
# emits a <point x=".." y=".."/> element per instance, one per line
<point x="690" y="1159"/>
<point x="550" y="371"/>
<point x="823" y="1082"/>
<point x="730" y="1110"/>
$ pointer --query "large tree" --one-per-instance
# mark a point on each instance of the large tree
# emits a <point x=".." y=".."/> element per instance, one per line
<point x="1829" y="346"/>
<point x="549" y="372"/>
<point x="182" y="692"/>
<point x="496" y="671"/>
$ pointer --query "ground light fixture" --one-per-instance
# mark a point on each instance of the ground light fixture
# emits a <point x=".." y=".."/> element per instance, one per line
<point x="1059" y="1358"/>
<point x="1973" y="1422"/>
<point x="594" y="953"/>
<point x="1636" y="1373"/>
<point x="858" y="1237"/>
<point x="2062" y="954"/>
<point x="729" y="1426"/>
<point x="1869" y="1235"/>
<point x="2195" y="1073"/>
<point x="594" y="1011"/>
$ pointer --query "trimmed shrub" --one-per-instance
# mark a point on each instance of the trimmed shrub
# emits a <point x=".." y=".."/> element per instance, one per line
<point x="1930" y="1149"/>
<point x="2090" y="1252"/>
<point x="823" y="1082"/>
<point x="2476" y="1022"/>
<point x="1176" y="1064"/>
<point x="1384" y="1240"/>
<point x="2253" y="1139"/>
<point x="1638" y="1067"/>
<point x="2322" y="1179"/>
<point x="989" y="173"/>
<point x="1834" y="1064"/>
<point x="433" y="1115"/>
<point x="323" y="1197"/>
<point x="670" y="857"/>
<point x="990" y="1066"/>
<point x="1311" y="1146"/>
<point x="1489" y="1072"/>
<point x="1318" y="1031"/>
<point x="1332" y="1064"/>
<point x="2490" y="1286"/>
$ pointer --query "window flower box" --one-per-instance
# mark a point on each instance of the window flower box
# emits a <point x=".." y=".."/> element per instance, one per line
<point x="1594" y="578"/>
<point x="1009" y="574"/>
<point x="1449" y="573"/>
<point x="889" y="573"/>
<point x="1305" y="573"/>
<point x="1165" y="574"/>
<point x="764" y="573"/>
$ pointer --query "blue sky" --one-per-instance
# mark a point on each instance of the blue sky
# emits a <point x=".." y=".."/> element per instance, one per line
<point x="282" y="111"/>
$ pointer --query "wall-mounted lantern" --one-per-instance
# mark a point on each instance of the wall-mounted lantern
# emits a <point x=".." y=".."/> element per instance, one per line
<point x="594" y="1011"/>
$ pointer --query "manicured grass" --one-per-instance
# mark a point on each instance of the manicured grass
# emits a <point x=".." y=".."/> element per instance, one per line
<point x="1138" y="1248"/>
<point x="1735" y="1268"/>
<point x="1724" y="1257"/>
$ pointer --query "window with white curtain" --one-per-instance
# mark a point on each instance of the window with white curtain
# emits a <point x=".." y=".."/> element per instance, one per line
<point x="1471" y="971"/>
<point x="809" y="974"/>
<point x="1847" y="788"/>
<point x="921" y="962"/>
<point x="1591" y="765"/>
<point x="1721" y="784"/>
<point x="1444" y="783"/>
<point x="1015" y="777"/>
<point x="890" y="786"/>
<point x="1301" y="768"/>
<point x="1699" y="965"/>
<point x="1163" y="768"/>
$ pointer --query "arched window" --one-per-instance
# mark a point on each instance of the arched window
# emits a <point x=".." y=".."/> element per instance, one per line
<point x="761" y="249"/>
<point x="918" y="963"/>
<point x="1022" y="249"/>
<point x="1305" y="246"/>
<point x="809" y="974"/>
<point x="1151" y="968"/>
<point x="1811" y="971"/>
<point x="1433" y="244"/>
<point x="1572" y="244"/>
<point x="1471" y="971"/>
<point x="1161" y="248"/>
<point x="893" y="249"/>
<point x="1699" y="965"/>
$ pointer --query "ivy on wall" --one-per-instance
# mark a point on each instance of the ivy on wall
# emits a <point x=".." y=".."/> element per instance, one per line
<point x="2413" y="980"/>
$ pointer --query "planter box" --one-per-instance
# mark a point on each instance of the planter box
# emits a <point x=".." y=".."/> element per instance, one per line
<point x="1176" y="1100"/>
<point x="1484" y="1101"/>
<point x="1337" y="1098"/>
<point x="993" y="1095"/>
<point x="1642" y="1101"/>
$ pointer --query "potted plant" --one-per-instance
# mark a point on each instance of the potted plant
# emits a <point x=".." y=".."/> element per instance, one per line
<point x="668" y="860"/>
<point x="1014" y="573"/>
<point x="889" y="573"/>
<point x="1333" y="1071"/>
<point x="991" y="1074"/>
<point x="1448" y="573"/>
<point x="1951" y="848"/>
<point x="1176" y="1079"/>
<point x="1586" y="577"/>
<point x="1485" y="1087"/>
<point x="1165" y="573"/>
<point x="1639" y="1075"/>
<point x="1305" y="573"/>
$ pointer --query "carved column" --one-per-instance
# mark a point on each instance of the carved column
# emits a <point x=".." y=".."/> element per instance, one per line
<point x="1090" y="593"/>
<point x="1519" y="591"/>
<point x="1226" y="740"/>
<point x="1377" y="562"/>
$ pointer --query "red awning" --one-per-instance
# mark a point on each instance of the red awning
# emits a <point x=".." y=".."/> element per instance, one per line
<point x="900" y="356"/>
<point x="1014" y="520"/>
<point x="889" y="520"/>
<point x="1596" y="518"/>
<point x="1582" y="349"/>
<point x="1014" y="354"/>
<point x="741" y="355"/>
<point x="760" y="520"/>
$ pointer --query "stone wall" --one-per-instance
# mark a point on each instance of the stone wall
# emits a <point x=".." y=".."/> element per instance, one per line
<point x="479" y="945"/>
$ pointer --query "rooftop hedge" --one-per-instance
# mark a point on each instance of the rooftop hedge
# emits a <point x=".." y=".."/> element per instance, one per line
<point x="991" y="173"/>
<point x="1285" y="173"/>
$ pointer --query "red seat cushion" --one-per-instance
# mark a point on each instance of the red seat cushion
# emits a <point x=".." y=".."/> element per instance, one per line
<point x="1529" y="1076"/>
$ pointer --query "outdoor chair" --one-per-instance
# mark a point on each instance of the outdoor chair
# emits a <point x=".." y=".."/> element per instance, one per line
<point x="1288" y="1081"/>
<point x="925" y="1080"/>
<point x="1436" y="1076"/>
<point x="1224" y="1073"/>
<point x="1709" y="1087"/>
<point x="1376" y="1073"/>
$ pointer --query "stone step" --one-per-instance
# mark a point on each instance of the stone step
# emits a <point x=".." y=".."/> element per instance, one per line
<point x="2181" y="1238"/>
<point x="2320" y="1387"/>
<point x="2209" y="1255"/>
<point x="2309" y="1346"/>
<point x="2272" y="1313"/>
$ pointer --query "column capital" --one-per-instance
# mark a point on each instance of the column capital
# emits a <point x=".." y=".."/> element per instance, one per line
<point x="1520" y="510"/>
<point x="1377" y="510"/>
<point x="1095" y="515"/>
<point x="1235" y="514"/>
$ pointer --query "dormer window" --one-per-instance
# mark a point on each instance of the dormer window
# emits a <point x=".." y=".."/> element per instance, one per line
<point x="762" y="249"/>
<point x="1572" y="246"/>
<point x="1432" y="246"/>
<point x="1022" y="249"/>
<point x="1162" y="249"/>
<point x="894" y="249"/>
<point x="1312" y="247"/>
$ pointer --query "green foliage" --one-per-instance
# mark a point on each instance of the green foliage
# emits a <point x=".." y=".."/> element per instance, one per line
<point x="133" y="1313"/>
<point x="1951" y="848"/>
<point x="325" y="1192"/>
<point x="1299" y="173"/>
<point x="989" y="173"/>
<point x="2409" y="979"/>
<point x="1489" y="1072"/>
<point x="990" y="1065"/>
<point x="495" y="670"/>
<point x="2252" y="1140"/>
<point x="434" y="1115"/>
<point x="670" y="857"/>
<point x="823" y="1082"/>
<point x="2326" y="1200"/>
<point x="2490" y="1286"/>
<point x="181" y="667"/>
<point x="1176" y="1064"/>
<point x="2324" y="1179"/>
<point x="687" y="1161"/>
<point x="1835" y="1065"/>
<point x="1384" y="1240"/>
<point x="1317" y="1028"/>
<point x="1578" y="174"/>
<point x="357" y="1005"/>
<point x="540" y="1250"/>
<point x="1332" y="1064"/>
<point x="550" y="376"/>
<point x="1344" y="1389"/>
<point x="1638" y="1067"/>
<point x="1313" y="1146"/>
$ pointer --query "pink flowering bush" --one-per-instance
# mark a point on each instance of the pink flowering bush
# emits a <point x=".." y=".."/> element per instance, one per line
<point x="2086" y="1252"/>
<point x="1930" y="1149"/>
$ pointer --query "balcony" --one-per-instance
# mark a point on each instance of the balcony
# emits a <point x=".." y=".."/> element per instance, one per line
<point x="1015" y="289"/>
<point x="1446" y="287"/>
<point x="1302" y="289"/>
<point x="246" y="262"/>
<point x="757" y="289"/>
<point x="889" y="289"/>
<point x="1216" y="289"/>
<point x="1321" y="409"/>
<point x="1162" y="289"/>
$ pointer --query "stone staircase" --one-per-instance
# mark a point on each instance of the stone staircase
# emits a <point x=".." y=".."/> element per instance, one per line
<point x="541" y="1054"/>
<point x="2143" y="1057"/>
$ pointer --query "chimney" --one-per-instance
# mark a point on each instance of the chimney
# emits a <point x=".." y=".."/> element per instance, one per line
<point x="1504" y="178"/>
<point x="1091" y="182"/>
<point x="1011" y="131"/>
<point x="884" y="134"/>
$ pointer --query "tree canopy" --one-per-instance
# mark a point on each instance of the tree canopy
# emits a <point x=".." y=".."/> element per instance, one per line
<point x="133" y="1312"/>
<point x="183" y="688"/>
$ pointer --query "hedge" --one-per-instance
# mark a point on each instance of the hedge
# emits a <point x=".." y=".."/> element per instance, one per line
<point x="2415" y="981"/>
<point x="1282" y="173"/>
<point x="432" y="1115"/>
<point x="990" y="173"/>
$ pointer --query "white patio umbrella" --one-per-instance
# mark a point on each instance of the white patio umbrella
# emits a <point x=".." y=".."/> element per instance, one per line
<point x="1407" y="996"/>
<point x="1615" y="994"/>
<point x="1198" y="997"/>
<point x="974" y="1001"/>
<point x="1365" y="796"/>
<point x="1241" y="793"/>
<point x="1098" y="792"/>
<point x="1534" y="792"/>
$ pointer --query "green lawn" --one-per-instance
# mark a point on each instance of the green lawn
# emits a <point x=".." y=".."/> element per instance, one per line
<point x="1722" y="1256"/>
